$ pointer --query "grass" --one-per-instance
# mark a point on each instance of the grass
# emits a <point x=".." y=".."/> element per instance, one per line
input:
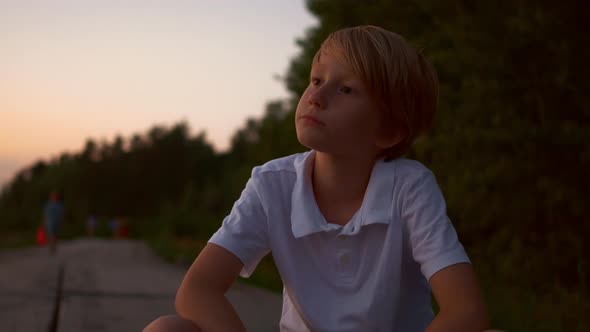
<point x="17" y="239"/>
<point x="551" y="310"/>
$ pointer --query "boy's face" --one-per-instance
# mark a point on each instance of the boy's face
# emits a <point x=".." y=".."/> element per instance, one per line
<point x="335" y="114"/>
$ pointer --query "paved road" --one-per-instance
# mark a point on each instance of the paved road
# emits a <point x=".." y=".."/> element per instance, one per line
<point x="107" y="286"/>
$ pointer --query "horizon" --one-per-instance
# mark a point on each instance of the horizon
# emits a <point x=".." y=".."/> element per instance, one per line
<point x="96" y="70"/>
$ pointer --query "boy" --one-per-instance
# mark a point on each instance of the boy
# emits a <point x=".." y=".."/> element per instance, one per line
<point x="359" y="235"/>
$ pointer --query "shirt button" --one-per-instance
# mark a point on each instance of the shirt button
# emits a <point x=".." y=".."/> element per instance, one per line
<point x="345" y="259"/>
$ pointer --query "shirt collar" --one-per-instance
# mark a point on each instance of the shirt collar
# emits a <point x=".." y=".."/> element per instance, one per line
<point x="306" y="217"/>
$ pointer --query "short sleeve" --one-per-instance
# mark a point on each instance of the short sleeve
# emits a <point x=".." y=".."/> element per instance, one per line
<point x="433" y="239"/>
<point x="244" y="232"/>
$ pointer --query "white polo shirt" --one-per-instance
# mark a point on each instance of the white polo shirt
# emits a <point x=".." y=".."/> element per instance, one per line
<point x="368" y="275"/>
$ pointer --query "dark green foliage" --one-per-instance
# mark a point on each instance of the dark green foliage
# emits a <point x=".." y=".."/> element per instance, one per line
<point x="120" y="179"/>
<point x="509" y="148"/>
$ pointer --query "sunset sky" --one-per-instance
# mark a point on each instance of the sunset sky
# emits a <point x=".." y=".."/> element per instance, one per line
<point x="72" y="70"/>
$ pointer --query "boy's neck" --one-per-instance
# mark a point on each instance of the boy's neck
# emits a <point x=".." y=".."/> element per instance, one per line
<point x="340" y="181"/>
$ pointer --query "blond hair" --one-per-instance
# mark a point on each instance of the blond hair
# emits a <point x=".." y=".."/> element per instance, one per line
<point x="402" y="82"/>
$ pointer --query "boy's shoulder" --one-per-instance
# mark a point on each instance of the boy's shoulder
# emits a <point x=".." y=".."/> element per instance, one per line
<point x="406" y="166"/>
<point x="284" y="164"/>
<point x="409" y="170"/>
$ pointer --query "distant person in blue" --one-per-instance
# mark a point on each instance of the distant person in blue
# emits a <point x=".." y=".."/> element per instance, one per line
<point x="52" y="216"/>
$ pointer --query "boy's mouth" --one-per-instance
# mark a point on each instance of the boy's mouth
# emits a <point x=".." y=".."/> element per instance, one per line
<point x="312" y="119"/>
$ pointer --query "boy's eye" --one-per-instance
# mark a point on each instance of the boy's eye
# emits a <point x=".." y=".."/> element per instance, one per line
<point x="345" y="90"/>
<point x="315" y="81"/>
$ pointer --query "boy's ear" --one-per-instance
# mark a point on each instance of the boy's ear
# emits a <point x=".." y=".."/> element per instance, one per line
<point x="387" y="136"/>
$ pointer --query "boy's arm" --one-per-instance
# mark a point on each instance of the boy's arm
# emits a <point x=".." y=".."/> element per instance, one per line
<point x="460" y="301"/>
<point x="201" y="296"/>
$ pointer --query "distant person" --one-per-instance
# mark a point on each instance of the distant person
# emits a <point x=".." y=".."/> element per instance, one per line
<point x="359" y="234"/>
<point x="91" y="226"/>
<point x="123" y="228"/>
<point x="53" y="213"/>
<point x="114" y="228"/>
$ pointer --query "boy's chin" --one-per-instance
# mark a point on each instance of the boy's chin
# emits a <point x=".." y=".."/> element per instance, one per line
<point x="320" y="144"/>
<point x="309" y="143"/>
<point x="317" y="147"/>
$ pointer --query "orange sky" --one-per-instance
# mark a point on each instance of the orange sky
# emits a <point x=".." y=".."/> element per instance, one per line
<point x="70" y="70"/>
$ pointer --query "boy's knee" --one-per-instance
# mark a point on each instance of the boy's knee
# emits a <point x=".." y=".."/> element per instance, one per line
<point x="171" y="323"/>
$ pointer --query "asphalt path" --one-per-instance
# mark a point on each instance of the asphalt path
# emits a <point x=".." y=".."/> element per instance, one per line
<point x="105" y="286"/>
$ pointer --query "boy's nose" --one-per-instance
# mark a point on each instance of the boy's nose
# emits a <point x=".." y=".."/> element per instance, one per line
<point x="317" y="99"/>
